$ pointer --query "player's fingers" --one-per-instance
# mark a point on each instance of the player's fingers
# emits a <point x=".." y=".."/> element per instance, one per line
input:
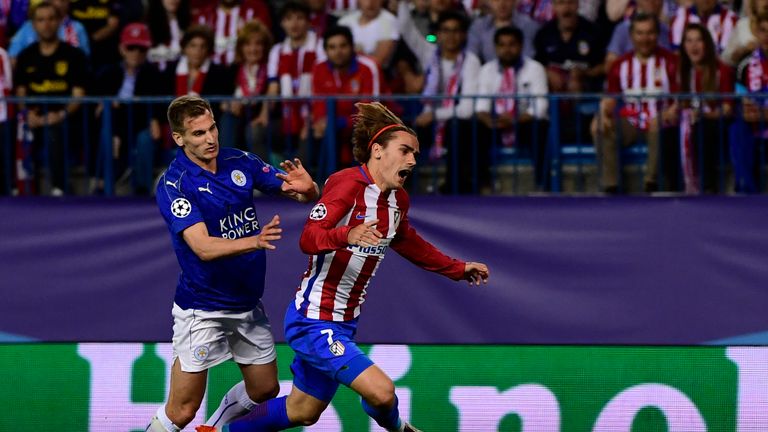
<point x="287" y="165"/>
<point x="282" y="176"/>
<point x="297" y="162"/>
<point x="371" y="222"/>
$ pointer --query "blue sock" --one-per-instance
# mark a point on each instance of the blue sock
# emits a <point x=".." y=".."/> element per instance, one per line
<point x="389" y="419"/>
<point x="267" y="416"/>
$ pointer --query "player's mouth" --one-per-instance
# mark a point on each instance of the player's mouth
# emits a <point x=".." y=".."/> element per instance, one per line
<point x="403" y="173"/>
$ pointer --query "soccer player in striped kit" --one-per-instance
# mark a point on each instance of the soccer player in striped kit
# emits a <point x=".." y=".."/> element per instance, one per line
<point x="363" y="212"/>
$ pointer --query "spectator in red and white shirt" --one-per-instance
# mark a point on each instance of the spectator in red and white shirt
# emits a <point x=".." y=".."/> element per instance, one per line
<point x="650" y="71"/>
<point x="719" y="20"/>
<point x="703" y="121"/>
<point x="227" y="19"/>
<point x="344" y="73"/>
<point x="289" y="71"/>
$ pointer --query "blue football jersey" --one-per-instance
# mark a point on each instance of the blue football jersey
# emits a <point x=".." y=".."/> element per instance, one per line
<point x="188" y="194"/>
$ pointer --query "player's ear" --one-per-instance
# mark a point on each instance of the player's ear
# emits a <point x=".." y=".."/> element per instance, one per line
<point x="177" y="138"/>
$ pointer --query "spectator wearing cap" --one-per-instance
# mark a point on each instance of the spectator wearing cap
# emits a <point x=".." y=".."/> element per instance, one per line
<point x="70" y="31"/>
<point x="135" y="126"/>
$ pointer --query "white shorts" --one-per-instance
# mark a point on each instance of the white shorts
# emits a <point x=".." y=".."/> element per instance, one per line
<point x="203" y="339"/>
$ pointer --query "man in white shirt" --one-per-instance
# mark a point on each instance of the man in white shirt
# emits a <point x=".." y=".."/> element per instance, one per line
<point x="450" y="69"/>
<point x="375" y="30"/>
<point x="518" y="121"/>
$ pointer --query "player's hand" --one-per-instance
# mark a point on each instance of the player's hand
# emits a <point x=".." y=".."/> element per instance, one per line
<point x="364" y="234"/>
<point x="476" y="272"/>
<point x="297" y="179"/>
<point x="269" y="233"/>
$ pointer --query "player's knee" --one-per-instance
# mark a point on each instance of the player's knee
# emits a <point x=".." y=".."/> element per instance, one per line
<point x="307" y="417"/>
<point x="264" y="392"/>
<point x="183" y="414"/>
<point x="383" y="397"/>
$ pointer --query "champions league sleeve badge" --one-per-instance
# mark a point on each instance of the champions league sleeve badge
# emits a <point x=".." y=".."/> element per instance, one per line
<point x="180" y="207"/>
<point x="318" y="212"/>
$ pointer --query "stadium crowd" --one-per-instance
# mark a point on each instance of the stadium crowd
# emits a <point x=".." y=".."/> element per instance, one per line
<point x="483" y="69"/>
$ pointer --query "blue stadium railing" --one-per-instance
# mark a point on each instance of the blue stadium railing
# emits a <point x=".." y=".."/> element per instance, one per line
<point x="570" y="146"/>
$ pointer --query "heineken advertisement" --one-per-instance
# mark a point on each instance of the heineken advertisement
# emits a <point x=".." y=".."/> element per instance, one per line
<point x="117" y="387"/>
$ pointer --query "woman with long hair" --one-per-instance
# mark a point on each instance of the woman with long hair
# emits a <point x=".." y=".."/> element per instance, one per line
<point x="254" y="41"/>
<point x="703" y="120"/>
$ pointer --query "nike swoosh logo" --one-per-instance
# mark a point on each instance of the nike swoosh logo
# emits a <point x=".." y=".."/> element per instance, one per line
<point x="359" y="216"/>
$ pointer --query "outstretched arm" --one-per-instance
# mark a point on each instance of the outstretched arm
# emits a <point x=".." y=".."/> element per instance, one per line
<point x="297" y="183"/>
<point x="420" y="252"/>
<point x="208" y="248"/>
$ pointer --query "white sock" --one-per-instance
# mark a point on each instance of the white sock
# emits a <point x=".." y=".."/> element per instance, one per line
<point x="234" y="405"/>
<point x="161" y="423"/>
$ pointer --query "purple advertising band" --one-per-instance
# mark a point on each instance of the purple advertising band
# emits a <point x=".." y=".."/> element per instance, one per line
<point x="680" y="271"/>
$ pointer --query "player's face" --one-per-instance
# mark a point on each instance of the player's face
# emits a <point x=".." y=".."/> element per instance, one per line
<point x="46" y="24"/>
<point x="200" y="139"/>
<point x="339" y="51"/>
<point x="645" y="37"/>
<point x="693" y="44"/>
<point x="396" y="160"/>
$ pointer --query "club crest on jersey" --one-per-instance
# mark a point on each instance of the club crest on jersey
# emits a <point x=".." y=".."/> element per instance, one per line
<point x="238" y="178"/>
<point x="337" y="348"/>
<point x="181" y="208"/>
<point x="318" y="212"/>
<point x="201" y="352"/>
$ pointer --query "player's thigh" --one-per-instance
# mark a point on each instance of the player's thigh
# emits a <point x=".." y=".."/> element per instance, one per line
<point x="374" y="386"/>
<point x="187" y="388"/>
<point x="250" y="338"/>
<point x="260" y="380"/>
<point x="199" y="339"/>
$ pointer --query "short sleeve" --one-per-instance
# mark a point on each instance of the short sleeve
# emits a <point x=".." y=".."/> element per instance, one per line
<point x="265" y="175"/>
<point x="180" y="210"/>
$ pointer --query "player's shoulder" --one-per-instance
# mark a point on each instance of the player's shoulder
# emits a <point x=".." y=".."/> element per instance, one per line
<point x="351" y="178"/>
<point x="173" y="181"/>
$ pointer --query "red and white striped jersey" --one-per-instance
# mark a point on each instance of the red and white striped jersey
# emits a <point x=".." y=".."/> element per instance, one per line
<point x="226" y="23"/>
<point x="334" y="286"/>
<point x="292" y="69"/>
<point x="645" y="84"/>
<point x="720" y="24"/>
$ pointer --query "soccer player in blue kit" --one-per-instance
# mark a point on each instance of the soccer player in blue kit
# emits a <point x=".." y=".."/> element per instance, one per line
<point x="206" y="199"/>
<point x="362" y="213"/>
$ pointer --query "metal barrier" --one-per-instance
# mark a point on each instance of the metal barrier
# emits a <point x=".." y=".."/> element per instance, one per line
<point x="552" y="153"/>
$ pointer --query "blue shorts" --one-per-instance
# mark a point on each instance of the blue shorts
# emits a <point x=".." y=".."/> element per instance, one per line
<point x="326" y="354"/>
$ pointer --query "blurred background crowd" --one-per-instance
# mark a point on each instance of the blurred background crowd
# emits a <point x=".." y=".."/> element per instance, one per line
<point x="674" y="87"/>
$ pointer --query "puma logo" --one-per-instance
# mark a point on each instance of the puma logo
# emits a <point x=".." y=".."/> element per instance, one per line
<point x="207" y="188"/>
